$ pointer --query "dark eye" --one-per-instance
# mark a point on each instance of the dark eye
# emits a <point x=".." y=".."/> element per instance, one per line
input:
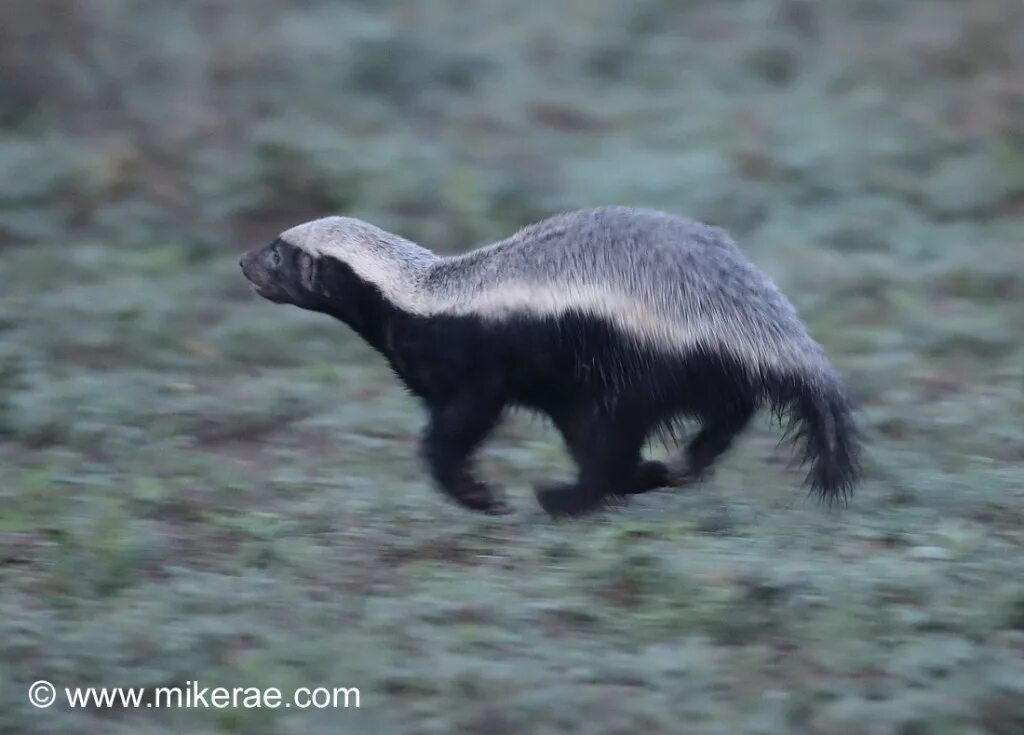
<point x="275" y="258"/>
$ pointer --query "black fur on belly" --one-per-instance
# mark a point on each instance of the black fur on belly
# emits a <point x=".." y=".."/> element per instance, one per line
<point x="606" y="393"/>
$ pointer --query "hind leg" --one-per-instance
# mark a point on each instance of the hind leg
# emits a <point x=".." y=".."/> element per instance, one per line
<point x="649" y="475"/>
<point x="608" y="456"/>
<point x="715" y="437"/>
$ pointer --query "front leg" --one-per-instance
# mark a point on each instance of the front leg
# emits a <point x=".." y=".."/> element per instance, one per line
<point x="457" y="427"/>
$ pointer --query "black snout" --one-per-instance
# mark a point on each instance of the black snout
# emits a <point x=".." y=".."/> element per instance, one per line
<point x="263" y="280"/>
<point x="252" y="268"/>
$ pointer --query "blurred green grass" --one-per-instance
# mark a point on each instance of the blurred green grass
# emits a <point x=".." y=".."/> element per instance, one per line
<point x="197" y="485"/>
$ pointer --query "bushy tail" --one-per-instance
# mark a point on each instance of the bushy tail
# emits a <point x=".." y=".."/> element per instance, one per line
<point x="820" y="421"/>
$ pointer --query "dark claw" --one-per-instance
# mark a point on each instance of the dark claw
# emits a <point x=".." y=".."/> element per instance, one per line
<point x="564" y="500"/>
<point x="483" y="498"/>
<point x="500" y="507"/>
<point x="650" y="475"/>
<point x="685" y="477"/>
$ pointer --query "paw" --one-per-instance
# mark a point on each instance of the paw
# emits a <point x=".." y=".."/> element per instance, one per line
<point x="651" y="475"/>
<point x="563" y="500"/>
<point x="689" y="476"/>
<point x="481" y="497"/>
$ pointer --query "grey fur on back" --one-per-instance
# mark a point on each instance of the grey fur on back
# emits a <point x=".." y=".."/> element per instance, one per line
<point x="669" y="281"/>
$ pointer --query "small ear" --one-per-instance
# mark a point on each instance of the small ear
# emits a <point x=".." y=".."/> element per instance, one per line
<point x="307" y="271"/>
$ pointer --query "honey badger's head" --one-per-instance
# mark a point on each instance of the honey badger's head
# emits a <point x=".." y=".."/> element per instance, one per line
<point x="320" y="265"/>
<point x="306" y="265"/>
<point x="285" y="274"/>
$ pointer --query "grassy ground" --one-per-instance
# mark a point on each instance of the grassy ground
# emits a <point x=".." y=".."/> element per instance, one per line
<point x="199" y="486"/>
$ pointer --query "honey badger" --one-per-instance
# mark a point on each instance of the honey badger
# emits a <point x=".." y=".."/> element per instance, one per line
<point x="617" y="323"/>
